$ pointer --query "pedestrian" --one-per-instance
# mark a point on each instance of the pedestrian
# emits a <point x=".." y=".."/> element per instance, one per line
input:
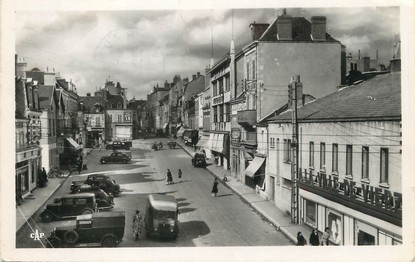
<point x="301" y="240"/>
<point x="169" y="177"/>
<point x="215" y="187"/>
<point x="314" y="239"/>
<point x="137" y="224"/>
<point x="180" y="175"/>
<point x="79" y="166"/>
<point x="325" y="237"/>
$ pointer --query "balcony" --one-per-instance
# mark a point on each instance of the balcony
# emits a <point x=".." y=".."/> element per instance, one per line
<point x="246" y="117"/>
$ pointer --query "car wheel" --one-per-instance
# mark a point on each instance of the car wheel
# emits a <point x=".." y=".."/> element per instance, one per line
<point x="87" y="211"/>
<point x="47" y="217"/>
<point x="109" y="241"/>
<point x="70" y="237"/>
<point x="103" y="161"/>
<point x="53" y="242"/>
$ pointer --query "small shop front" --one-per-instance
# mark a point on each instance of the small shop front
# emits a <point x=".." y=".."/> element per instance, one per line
<point x="219" y="146"/>
<point x="347" y="226"/>
<point x="255" y="173"/>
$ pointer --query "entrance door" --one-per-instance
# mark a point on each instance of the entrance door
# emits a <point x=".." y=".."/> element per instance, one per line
<point x="366" y="235"/>
<point x="272" y="188"/>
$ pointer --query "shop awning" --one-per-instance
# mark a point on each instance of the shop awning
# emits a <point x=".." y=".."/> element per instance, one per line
<point x="165" y="125"/>
<point x="180" y="132"/>
<point x="254" y="166"/>
<point x="73" y="143"/>
<point x="203" y="141"/>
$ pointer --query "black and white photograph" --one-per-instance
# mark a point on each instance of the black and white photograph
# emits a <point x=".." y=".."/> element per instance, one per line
<point x="205" y="131"/>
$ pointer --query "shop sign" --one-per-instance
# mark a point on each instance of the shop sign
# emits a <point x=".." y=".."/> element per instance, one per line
<point x="375" y="196"/>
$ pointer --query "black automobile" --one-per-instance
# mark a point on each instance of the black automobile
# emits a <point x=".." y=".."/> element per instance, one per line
<point x="69" y="206"/>
<point x="115" y="157"/>
<point x="108" y="185"/>
<point x="104" y="200"/>
<point x="91" y="179"/>
<point x="199" y="160"/>
<point x="117" y="145"/>
<point x="104" y="229"/>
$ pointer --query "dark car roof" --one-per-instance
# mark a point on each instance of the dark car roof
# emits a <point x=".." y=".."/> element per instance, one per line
<point x="163" y="202"/>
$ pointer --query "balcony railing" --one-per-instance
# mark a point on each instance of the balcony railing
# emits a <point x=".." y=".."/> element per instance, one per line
<point x="246" y="117"/>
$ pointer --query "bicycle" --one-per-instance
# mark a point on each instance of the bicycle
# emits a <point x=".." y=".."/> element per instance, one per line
<point x="55" y="172"/>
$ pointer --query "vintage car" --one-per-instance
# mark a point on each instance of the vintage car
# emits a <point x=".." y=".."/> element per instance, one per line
<point x="104" y="229"/>
<point x="104" y="200"/>
<point x="161" y="219"/>
<point x="115" y="157"/>
<point x="199" y="159"/>
<point x="115" y="145"/>
<point x="108" y="185"/>
<point x="69" y="206"/>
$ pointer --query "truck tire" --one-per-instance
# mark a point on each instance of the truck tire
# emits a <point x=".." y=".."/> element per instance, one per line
<point x="70" y="237"/>
<point x="47" y="217"/>
<point x="109" y="241"/>
<point x="87" y="211"/>
<point x="54" y="242"/>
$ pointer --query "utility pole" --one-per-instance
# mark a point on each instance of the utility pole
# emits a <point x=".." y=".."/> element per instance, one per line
<point x="292" y="96"/>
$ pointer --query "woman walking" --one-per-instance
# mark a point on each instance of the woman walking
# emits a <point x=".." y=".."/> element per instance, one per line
<point x="169" y="177"/>
<point x="137" y="224"/>
<point x="215" y="187"/>
<point x="180" y="175"/>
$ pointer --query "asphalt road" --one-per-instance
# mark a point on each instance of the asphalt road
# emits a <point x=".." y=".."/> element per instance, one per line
<point x="204" y="220"/>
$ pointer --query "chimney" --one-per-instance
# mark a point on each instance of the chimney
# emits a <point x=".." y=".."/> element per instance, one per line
<point x="193" y="77"/>
<point x="88" y="94"/>
<point x="366" y="64"/>
<point x="318" y="28"/>
<point x="198" y="74"/>
<point x="284" y="27"/>
<point x="395" y="65"/>
<point x="257" y="30"/>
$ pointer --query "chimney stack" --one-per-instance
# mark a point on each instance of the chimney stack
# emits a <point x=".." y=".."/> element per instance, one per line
<point x="198" y="74"/>
<point x="193" y="77"/>
<point x="318" y="28"/>
<point x="257" y="30"/>
<point x="284" y="27"/>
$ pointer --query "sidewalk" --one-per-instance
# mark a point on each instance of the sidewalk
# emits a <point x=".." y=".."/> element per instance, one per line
<point x="37" y="198"/>
<point x="266" y="208"/>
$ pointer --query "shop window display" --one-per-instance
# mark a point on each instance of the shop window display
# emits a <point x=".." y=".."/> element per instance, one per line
<point x="334" y="222"/>
<point x="310" y="213"/>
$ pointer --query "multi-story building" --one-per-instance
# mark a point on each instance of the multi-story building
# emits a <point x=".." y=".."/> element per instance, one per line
<point x="137" y="107"/>
<point x="92" y="120"/>
<point x="153" y="107"/>
<point x="190" y="92"/>
<point x="349" y="162"/>
<point x="276" y="53"/>
<point x="28" y="133"/>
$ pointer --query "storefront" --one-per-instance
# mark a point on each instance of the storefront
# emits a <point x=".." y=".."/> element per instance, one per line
<point x="255" y="173"/>
<point x="354" y="213"/>
<point x="219" y="146"/>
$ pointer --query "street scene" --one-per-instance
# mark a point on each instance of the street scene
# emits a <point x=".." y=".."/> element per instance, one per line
<point x="204" y="220"/>
<point x="270" y="127"/>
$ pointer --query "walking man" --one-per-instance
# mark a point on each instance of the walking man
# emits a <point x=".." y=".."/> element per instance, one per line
<point x="180" y="175"/>
<point x="169" y="177"/>
<point x="215" y="187"/>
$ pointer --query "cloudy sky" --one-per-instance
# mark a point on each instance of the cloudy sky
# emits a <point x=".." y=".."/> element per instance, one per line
<point x="142" y="48"/>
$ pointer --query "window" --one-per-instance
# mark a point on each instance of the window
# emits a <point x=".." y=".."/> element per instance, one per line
<point x="227" y="83"/>
<point x="215" y="114"/>
<point x="311" y="158"/>
<point x="253" y="70"/>
<point x="287" y="150"/>
<point x="228" y="112"/>
<point x="220" y="113"/>
<point x="215" y="91"/>
<point x="119" y="118"/>
<point x="335" y="158"/>
<point x="220" y="86"/>
<point x="349" y="159"/>
<point x="323" y="156"/>
<point x="310" y="214"/>
<point x="384" y="158"/>
<point x="247" y="71"/>
<point x="97" y="121"/>
<point x="272" y="142"/>
<point x="365" y="162"/>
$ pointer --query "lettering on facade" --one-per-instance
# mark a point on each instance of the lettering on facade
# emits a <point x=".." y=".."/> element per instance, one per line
<point x="375" y="196"/>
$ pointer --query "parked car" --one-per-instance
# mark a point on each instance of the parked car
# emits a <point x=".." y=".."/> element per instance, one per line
<point x="103" y="199"/>
<point x="69" y="206"/>
<point x="99" y="229"/>
<point x="115" y="157"/>
<point x="117" y="145"/>
<point x="97" y="181"/>
<point x="199" y="159"/>
<point x="161" y="219"/>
